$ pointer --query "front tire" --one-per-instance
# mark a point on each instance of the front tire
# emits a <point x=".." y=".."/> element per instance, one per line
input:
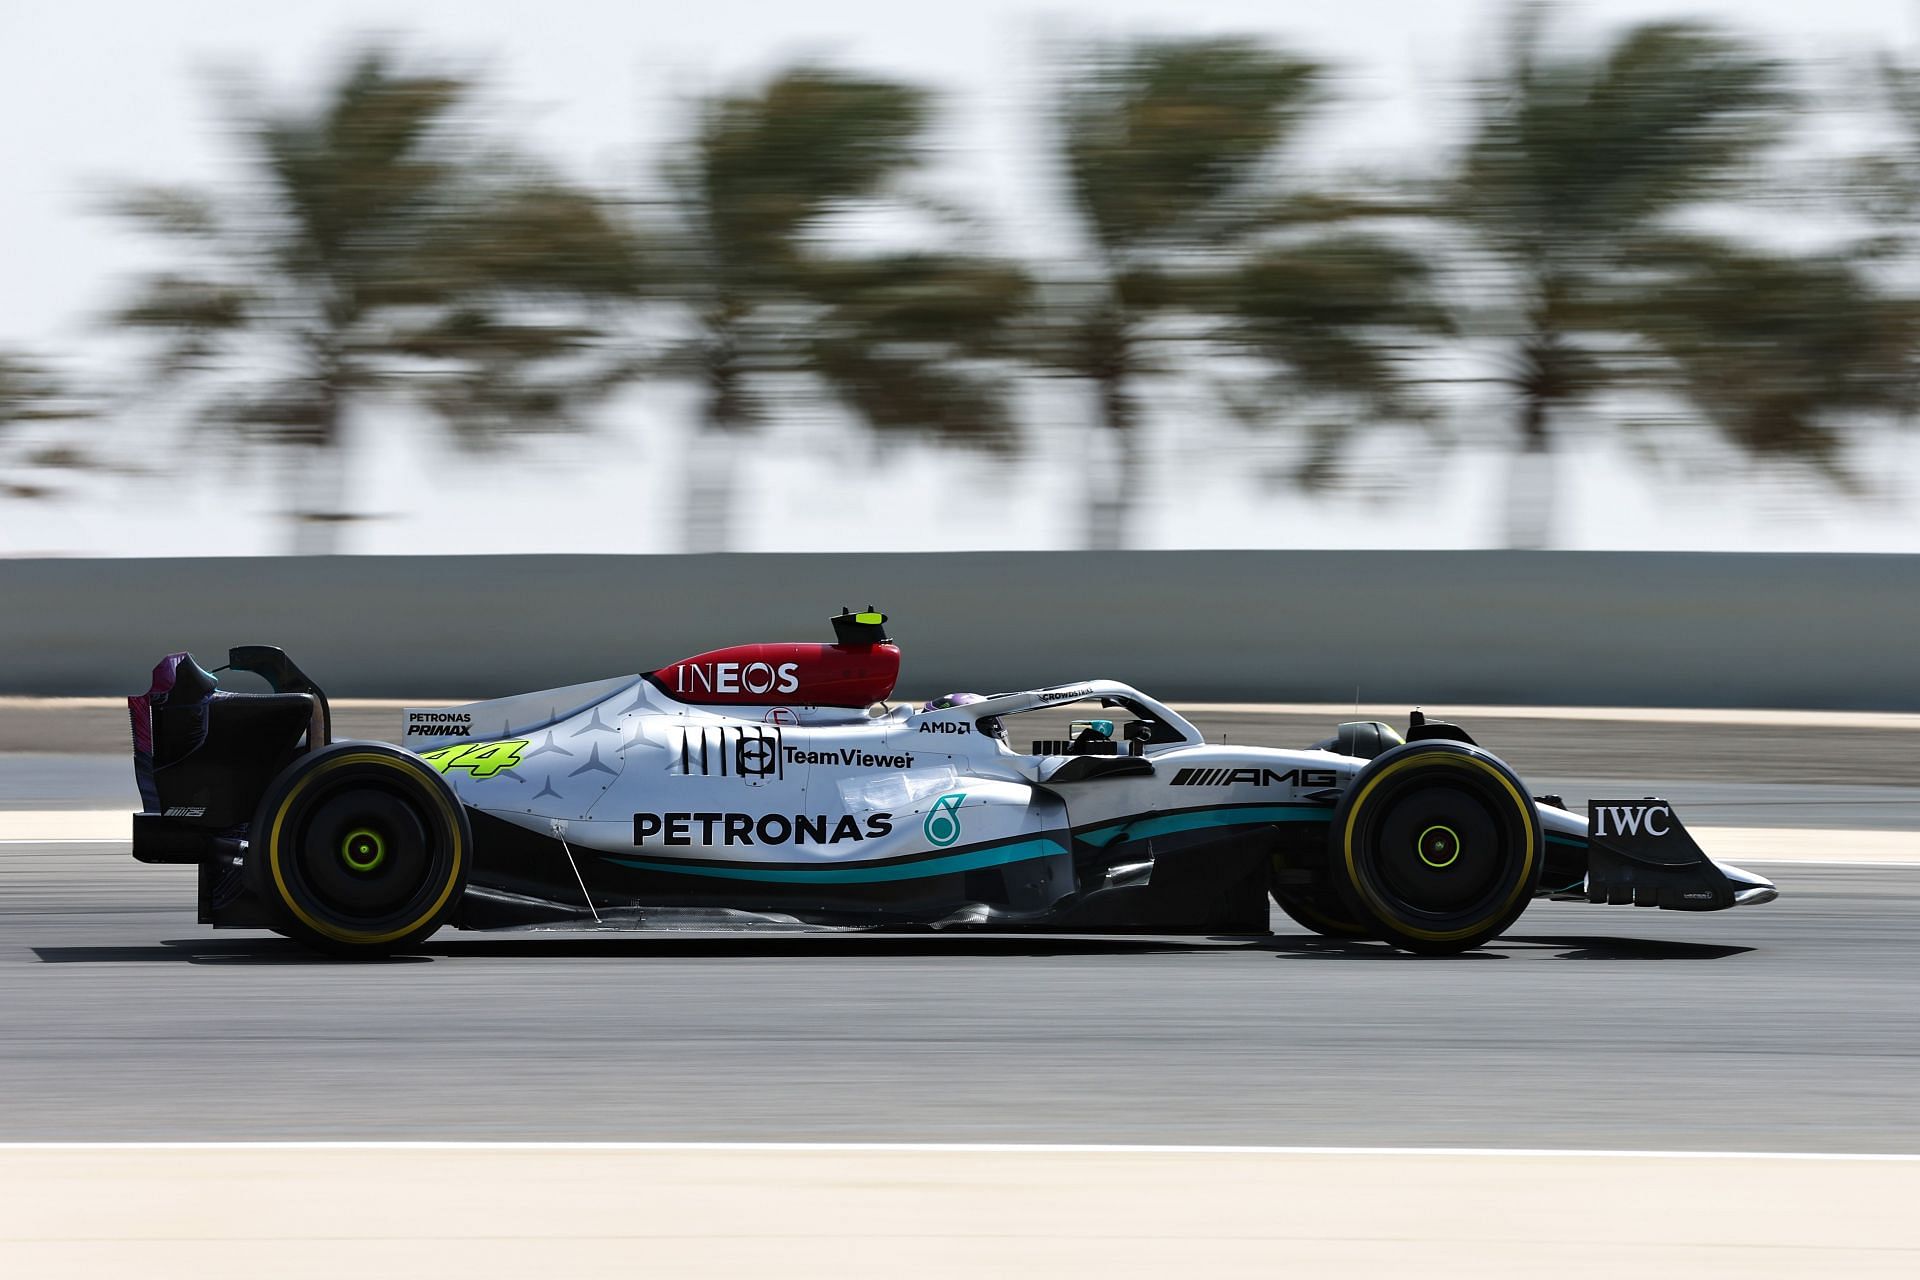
<point x="359" y="849"/>
<point x="1436" y="847"/>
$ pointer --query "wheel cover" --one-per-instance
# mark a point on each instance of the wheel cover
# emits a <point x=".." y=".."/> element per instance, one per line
<point x="362" y="850"/>
<point x="1439" y="850"/>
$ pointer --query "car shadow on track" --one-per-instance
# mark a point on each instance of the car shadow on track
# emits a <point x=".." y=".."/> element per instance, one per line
<point x="1605" y="948"/>
<point x="262" y="951"/>
<point x="1510" y="947"/>
<point x="279" y="951"/>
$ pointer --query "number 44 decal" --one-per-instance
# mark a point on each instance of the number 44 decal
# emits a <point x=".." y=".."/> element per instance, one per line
<point x="481" y="759"/>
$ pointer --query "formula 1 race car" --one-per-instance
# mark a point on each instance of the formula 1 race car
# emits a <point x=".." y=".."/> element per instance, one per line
<point x="773" y="785"/>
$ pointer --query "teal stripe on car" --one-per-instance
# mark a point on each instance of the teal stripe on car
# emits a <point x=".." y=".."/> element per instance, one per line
<point x="973" y="860"/>
<point x="1139" y="828"/>
<point x="1148" y="825"/>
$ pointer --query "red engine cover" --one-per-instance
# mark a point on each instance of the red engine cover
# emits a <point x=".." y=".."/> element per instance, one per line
<point x="808" y="675"/>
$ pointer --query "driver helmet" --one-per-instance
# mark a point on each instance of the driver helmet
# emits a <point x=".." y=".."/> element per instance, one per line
<point x="953" y="700"/>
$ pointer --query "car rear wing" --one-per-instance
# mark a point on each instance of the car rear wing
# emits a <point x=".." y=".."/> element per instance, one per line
<point x="203" y="756"/>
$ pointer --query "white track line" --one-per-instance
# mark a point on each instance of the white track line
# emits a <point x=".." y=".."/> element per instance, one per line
<point x="1751" y="845"/>
<point x="67" y="824"/>
<point x="993" y="1148"/>
<point x="1848" y="863"/>
<point x="1334" y="712"/>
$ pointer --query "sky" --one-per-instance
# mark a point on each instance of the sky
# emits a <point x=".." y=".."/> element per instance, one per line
<point x="102" y="91"/>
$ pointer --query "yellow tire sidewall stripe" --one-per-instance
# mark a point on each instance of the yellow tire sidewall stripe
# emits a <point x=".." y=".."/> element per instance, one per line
<point x="1447" y="760"/>
<point x="348" y="935"/>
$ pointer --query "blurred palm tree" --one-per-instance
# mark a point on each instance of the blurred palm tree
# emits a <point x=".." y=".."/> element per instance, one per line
<point x="911" y="342"/>
<point x="1572" y="185"/>
<point x="1781" y="354"/>
<point x="384" y="251"/>
<point x="1884" y="186"/>
<point x="32" y="396"/>
<point x="1202" y="237"/>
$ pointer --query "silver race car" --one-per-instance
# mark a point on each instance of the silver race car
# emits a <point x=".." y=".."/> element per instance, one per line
<point x="774" y="786"/>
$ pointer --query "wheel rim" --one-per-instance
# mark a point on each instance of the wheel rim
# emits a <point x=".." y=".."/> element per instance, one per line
<point x="363" y="850"/>
<point x="1439" y="846"/>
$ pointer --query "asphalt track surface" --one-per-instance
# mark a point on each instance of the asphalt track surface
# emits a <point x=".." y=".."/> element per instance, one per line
<point x="1792" y="1026"/>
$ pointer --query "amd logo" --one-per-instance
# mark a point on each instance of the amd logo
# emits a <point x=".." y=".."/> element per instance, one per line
<point x="946" y="726"/>
<point x="737" y="677"/>
<point x="1655" y="820"/>
<point x="1253" y="777"/>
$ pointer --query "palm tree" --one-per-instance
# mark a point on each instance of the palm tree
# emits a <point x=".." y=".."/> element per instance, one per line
<point x="910" y="342"/>
<point x="385" y="251"/>
<point x="1781" y="354"/>
<point x="1884" y="186"/>
<point x="32" y="395"/>
<point x="1570" y="189"/>
<point x="1176" y="155"/>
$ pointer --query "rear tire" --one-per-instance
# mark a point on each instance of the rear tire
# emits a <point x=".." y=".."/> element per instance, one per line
<point x="1318" y="910"/>
<point x="359" y="850"/>
<point x="1436" y="847"/>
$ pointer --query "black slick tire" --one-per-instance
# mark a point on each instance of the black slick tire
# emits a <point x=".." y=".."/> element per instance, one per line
<point x="1318" y="910"/>
<point x="1436" y="847"/>
<point x="359" y="850"/>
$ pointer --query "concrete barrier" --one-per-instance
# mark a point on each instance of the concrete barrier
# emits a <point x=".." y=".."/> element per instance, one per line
<point x="1676" y="629"/>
